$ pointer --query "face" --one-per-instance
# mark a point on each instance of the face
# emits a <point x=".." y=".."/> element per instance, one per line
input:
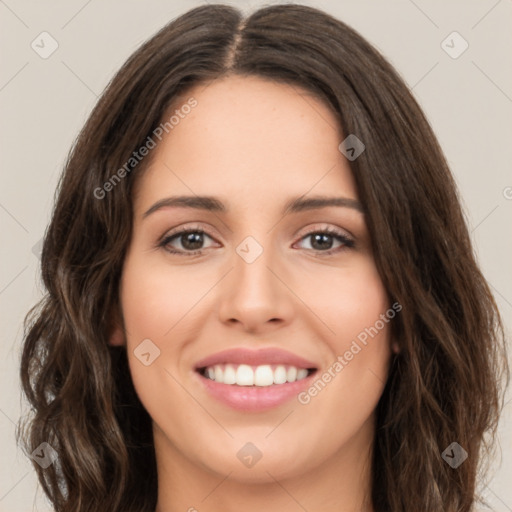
<point x="267" y="321"/>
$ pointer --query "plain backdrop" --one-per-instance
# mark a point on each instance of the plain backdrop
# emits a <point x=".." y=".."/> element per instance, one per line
<point x="45" y="101"/>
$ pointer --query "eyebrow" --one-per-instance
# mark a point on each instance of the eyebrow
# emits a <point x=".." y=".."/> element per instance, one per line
<point x="212" y="204"/>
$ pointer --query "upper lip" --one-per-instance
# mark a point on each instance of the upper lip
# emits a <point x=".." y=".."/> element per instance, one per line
<point x="255" y="358"/>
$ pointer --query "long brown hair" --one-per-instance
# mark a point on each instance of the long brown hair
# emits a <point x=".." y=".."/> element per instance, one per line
<point x="444" y="386"/>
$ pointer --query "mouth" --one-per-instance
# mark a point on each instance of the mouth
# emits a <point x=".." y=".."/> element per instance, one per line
<point x="257" y="376"/>
<point x="251" y="380"/>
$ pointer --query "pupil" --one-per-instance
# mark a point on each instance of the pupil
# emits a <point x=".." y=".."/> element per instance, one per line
<point x="193" y="240"/>
<point x="322" y="240"/>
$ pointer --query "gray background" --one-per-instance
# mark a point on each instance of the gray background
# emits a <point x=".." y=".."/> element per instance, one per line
<point x="44" y="103"/>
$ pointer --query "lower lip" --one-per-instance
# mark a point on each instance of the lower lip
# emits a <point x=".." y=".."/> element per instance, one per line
<point x="255" y="398"/>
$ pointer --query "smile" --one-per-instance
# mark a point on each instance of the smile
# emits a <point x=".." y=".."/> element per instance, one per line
<point x="254" y="380"/>
<point x="263" y="375"/>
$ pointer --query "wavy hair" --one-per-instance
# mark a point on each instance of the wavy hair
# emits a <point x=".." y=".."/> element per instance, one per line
<point x="445" y="385"/>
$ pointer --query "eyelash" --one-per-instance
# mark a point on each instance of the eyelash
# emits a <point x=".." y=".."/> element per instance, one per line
<point x="347" y="242"/>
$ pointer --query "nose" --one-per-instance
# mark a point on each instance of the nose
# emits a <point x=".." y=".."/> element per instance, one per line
<point x="255" y="296"/>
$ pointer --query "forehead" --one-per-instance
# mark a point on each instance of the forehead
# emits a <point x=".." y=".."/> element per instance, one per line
<point x="252" y="137"/>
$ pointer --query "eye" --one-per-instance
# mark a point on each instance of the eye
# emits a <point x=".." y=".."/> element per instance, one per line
<point x="187" y="241"/>
<point x="327" y="241"/>
<point x="191" y="241"/>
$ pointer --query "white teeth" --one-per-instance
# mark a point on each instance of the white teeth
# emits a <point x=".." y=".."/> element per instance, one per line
<point x="229" y="374"/>
<point x="302" y="373"/>
<point x="280" y="375"/>
<point x="291" y="374"/>
<point x="244" y="376"/>
<point x="263" y="375"/>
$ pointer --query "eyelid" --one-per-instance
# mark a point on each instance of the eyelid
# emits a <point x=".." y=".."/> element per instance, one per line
<point x="325" y="227"/>
<point x="185" y="228"/>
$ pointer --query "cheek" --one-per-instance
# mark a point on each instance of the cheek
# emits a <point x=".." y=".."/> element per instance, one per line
<point x="155" y="299"/>
<point x="155" y="304"/>
<point x="355" y="306"/>
<point x="160" y="303"/>
<point x="349" y="301"/>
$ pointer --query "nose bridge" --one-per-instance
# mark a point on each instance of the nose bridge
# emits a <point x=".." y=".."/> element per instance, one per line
<point x="254" y="295"/>
<point x="252" y="263"/>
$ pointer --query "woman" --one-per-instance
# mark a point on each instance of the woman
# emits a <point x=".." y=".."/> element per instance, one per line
<point x="261" y="288"/>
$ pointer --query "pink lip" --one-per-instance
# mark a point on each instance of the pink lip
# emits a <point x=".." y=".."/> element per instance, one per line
<point x="254" y="398"/>
<point x="255" y="358"/>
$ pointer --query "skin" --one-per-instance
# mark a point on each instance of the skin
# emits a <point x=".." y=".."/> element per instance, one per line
<point x="254" y="144"/>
